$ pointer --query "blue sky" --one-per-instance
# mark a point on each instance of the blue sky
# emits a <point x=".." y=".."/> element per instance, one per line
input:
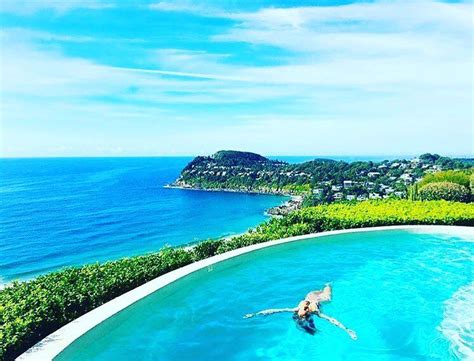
<point x="123" y="78"/>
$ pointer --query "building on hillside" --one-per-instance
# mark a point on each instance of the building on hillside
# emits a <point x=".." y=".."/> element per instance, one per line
<point x="407" y="178"/>
<point x="374" y="196"/>
<point x="338" y="196"/>
<point x="348" y="183"/>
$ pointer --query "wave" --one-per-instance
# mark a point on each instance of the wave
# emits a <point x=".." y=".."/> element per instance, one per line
<point x="458" y="322"/>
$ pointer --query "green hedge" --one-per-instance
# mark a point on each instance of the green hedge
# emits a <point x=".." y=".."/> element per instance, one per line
<point x="356" y="215"/>
<point x="444" y="190"/>
<point x="448" y="186"/>
<point x="31" y="310"/>
<point x="460" y="177"/>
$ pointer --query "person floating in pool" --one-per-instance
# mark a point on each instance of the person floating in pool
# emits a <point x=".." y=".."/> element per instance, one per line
<point x="311" y="305"/>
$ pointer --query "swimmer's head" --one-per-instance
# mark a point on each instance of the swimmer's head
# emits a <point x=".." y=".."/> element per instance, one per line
<point x="303" y="308"/>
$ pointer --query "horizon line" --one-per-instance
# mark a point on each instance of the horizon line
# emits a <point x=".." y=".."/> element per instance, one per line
<point x="402" y="156"/>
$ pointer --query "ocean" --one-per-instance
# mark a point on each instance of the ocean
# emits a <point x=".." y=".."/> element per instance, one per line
<point x="57" y="212"/>
<point x="72" y="211"/>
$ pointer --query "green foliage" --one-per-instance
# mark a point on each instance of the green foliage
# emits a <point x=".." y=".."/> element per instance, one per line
<point x="444" y="190"/>
<point x="206" y="249"/>
<point x="31" y="310"/>
<point x="428" y="157"/>
<point x="413" y="192"/>
<point x="454" y="176"/>
<point x="328" y="217"/>
<point x="296" y="188"/>
<point x="232" y="157"/>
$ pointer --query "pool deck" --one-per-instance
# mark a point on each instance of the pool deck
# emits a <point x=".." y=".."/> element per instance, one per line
<point x="51" y="346"/>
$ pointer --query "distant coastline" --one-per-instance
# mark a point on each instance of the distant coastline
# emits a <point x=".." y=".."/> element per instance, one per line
<point x="295" y="202"/>
<point x="315" y="182"/>
<point x="229" y="190"/>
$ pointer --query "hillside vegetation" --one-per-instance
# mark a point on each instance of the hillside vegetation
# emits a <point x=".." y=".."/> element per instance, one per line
<point x="451" y="185"/>
<point x="320" y="180"/>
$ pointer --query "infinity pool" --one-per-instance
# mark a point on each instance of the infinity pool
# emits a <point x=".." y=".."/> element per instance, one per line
<point x="408" y="295"/>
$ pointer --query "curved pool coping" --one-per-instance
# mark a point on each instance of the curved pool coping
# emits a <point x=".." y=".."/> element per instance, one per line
<point x="52" y="345"/>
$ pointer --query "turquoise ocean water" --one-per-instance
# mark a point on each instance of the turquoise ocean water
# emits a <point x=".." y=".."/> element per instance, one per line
<point x="72" y="211"/>
<point x="408" y="296"/>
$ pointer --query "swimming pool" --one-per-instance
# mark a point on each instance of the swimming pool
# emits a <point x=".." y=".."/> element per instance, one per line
<point x="407" y="294"/>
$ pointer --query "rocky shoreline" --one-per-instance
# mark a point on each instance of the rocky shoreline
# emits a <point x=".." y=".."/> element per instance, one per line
<point x="288" y="206"/>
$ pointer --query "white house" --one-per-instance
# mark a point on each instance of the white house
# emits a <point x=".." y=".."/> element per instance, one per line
<point x="406" y="177"/>
<point x="374" y="196"/>
<point x="348" y="183"/>
<point x="338" y="196"/>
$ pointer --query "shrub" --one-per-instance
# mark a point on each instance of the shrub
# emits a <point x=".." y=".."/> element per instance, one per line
<point x="206" y="249"/>
<point x="335" y="216"/>
<point x="460" y="177"/>
<point x="444" y="190"/>
<point x="31" y="310"/>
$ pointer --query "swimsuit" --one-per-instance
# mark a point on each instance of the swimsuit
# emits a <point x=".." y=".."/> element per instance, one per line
<point x="305" y="324"/>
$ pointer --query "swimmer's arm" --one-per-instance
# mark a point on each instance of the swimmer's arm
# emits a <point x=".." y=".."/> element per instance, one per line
<point x="271" y="311"/>
<point x="335" y="322"/>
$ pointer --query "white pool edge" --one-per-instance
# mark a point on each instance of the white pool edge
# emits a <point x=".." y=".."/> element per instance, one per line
<point x="52" y="345"/>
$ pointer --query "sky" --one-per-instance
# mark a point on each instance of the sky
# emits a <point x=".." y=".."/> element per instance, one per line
<point x="153" y="78"/>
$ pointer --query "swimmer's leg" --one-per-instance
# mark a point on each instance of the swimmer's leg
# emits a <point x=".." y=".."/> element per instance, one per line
<point x="325" y="295"/>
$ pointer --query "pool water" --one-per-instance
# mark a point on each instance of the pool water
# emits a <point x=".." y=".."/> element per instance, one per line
<point x="408" y="295"/>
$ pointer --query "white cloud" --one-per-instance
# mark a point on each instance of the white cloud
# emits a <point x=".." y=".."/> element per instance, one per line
<point x="403" y="14"/>
<point x="189" y="7"/>
<point x="403" y="70"/>
<point x="174" y="6"/>
<point x="28" y="7"/>
<point x="31" y="71"/>
<point x="382" y="45"/>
